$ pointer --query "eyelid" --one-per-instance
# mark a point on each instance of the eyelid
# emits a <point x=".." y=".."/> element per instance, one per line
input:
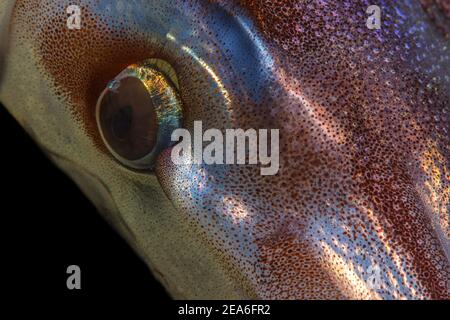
<point x="165" y="68"/>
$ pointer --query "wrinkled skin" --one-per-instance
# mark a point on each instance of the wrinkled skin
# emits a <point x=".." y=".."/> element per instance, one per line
<point x="364" y="133"/>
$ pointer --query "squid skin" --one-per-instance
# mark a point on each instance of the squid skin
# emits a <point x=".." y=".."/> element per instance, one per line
<point x="360" y="206"/>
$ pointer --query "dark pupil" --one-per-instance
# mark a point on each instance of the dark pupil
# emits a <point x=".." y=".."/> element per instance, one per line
<point x="121" y="122"/>
<point x="128" y="119"/>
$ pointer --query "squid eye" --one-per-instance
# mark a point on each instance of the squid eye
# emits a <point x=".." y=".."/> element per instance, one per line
<point x="138" y="111"/>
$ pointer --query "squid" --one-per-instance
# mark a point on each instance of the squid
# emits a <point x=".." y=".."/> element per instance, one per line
<point x="359" y="208"/>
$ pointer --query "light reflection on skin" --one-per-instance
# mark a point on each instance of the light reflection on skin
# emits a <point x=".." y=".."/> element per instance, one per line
<point x="204" y="65"/>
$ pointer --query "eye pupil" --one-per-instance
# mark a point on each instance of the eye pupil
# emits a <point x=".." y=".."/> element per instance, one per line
<point x="122" y="122"/>
<point x="128" y="119"/>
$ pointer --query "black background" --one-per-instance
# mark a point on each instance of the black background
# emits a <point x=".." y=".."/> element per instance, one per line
<point x="48" y="224"/>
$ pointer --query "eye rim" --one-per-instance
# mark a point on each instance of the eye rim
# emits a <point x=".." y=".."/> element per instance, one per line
<point x="161" y="82"/>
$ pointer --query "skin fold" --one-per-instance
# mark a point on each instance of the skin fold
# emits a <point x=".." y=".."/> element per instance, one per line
<point x="363" y="186"/>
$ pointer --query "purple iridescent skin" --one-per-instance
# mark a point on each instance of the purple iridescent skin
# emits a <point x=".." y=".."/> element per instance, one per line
<point x="360" y="206"/>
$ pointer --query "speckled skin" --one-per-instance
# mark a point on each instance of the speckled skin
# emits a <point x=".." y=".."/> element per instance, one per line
<point x="364" y="133"/>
